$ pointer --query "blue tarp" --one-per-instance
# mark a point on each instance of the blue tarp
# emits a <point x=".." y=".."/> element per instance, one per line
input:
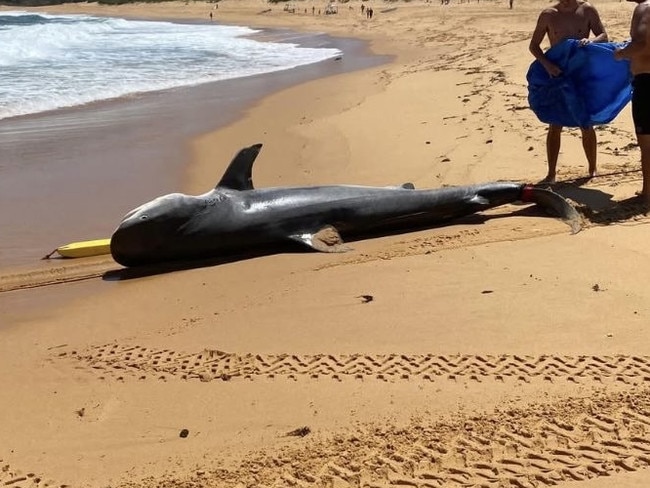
<point x="592" y="89"/>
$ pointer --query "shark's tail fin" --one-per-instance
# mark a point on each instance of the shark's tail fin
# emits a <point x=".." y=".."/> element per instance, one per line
<point x="555" y="204"/>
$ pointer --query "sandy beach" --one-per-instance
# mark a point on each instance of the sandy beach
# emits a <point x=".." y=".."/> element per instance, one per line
<point x="498" y="351"/>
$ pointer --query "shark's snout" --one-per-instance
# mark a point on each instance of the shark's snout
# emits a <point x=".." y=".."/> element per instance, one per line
<point x="152" y="232"/>
<point x="131" y="243"/>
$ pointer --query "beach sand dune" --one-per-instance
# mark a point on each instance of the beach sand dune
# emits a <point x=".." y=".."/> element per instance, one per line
<point x="499" y="351"/>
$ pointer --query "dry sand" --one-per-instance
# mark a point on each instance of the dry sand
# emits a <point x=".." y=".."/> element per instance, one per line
<point x="499" y="351"/>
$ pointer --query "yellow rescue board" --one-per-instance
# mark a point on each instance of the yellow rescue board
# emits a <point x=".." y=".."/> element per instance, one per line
<point x="84" y="249"/>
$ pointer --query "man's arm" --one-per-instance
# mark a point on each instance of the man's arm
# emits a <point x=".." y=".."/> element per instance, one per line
<point x="535" y="45"/>
<point x="596" y="25"/>
<point x="638" y="32"/>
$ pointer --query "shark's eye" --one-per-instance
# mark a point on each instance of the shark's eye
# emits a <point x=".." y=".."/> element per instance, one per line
<point x="143" y="217"/>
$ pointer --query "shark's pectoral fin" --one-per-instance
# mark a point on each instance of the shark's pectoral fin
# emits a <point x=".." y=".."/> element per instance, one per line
<point x="326" y="239"/>
<point x="478" y="200"/>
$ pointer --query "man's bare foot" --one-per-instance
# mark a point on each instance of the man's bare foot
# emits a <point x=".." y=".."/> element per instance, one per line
<point x="644" y="198"/>
<point x="548" y="180"/>
<point x="592" y="170"/>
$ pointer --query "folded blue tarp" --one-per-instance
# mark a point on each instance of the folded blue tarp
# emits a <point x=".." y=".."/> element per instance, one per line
<point x="592" y="89"/>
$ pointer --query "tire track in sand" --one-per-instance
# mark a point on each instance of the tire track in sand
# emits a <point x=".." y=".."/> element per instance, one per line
<point x="532" y="447"/>
<point x="118" y="361"/>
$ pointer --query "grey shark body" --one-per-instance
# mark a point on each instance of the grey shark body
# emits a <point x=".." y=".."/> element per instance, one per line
<point x="235" y="217"/>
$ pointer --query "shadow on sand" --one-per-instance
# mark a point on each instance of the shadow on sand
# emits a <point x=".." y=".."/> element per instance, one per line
<point x="597" y="206"/>
<point x="124" y="274"/>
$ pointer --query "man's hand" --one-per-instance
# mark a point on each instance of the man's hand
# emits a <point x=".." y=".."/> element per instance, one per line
<point x="552" y="69"/>
<point x="583" y="42"/>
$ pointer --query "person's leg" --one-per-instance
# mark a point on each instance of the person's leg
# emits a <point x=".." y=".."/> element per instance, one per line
<point x="589" y="144"/>
<point x="552" y="151"/>
<point x="641" y="117"/>
<point x="644" y="144"/>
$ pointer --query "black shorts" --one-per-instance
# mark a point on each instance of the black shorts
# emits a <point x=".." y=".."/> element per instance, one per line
<point x="641" y="103"/>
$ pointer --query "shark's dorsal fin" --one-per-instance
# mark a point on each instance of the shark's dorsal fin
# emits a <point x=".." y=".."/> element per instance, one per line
<point x="326" y="239"/>
<point x="239" y="174"/>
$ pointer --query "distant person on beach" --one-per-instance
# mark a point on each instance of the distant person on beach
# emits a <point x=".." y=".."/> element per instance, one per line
<point x="210" y="15"/>
<point x="567" y="19"/>
<point x="638" y="52"/>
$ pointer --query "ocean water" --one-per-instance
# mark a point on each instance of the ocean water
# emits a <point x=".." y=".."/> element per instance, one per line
<point x="54" y="61"/>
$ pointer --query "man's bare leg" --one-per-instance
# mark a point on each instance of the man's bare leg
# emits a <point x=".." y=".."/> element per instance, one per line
<point x="644" y="144"/>
<point x="552" y="151"/>
<point x="589" y="144"/>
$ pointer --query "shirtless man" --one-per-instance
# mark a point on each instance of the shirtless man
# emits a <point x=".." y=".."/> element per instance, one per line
<point x="638" y="52"/>
<point x="567" y="19"/>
